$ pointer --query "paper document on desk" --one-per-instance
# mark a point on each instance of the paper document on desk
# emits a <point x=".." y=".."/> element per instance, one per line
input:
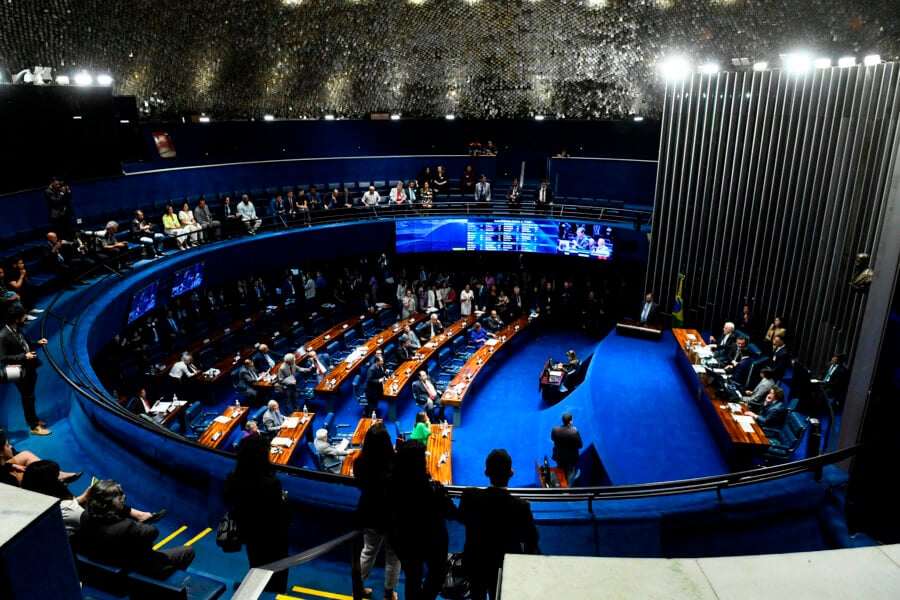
<point x="703" y="351"/>
<point x="291" y="422"/>
<point x="161" y="407"/>
<point x="222" y="419"/>
<point x="491" y="342"/>
<point x="743" y="419"/>
<point x="691" y="337"/>
<point x="699" y="369"/>
<point x="282" y="441"/>
<point x="719" y="371"/>
<point x="343" y="444"/>
<point x="748" y="427"/>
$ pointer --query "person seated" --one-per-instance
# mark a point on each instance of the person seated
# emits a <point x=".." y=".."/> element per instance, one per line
<point x="278" y="209"/>
<point x="780" y="359"/>
<point x="313" y="199"/>
<point x="140" y="405"/>
<point x="109" y="245"/>
<point x="431" y="328"/>
<point x="493" y="323"/>
<point x="273" y="420"/>
<point x="371" y="197"/>
<point x="404" y="352"/>
<point x="212" y="229"/>
<point x="107" y="537"/>
<point x="189" y="224"/>
<point x="835" y="378"/>
<point x="263" y="359"/>
<point x="247" y="213"/>
<point x="410" y="336"/>
<point x="142" y="233"/>
<point x="773" y="414"/>
<point x="426" y="394"/>
<point x="328" y="453"/>
<point x="184" y="369"/>
<point x="756" y="397"/>
<point x="422" y="429"/>
<point x="398" y="194"/>
<point x="43" y="477"/>
<point x="572" y="363"/>
<point x="478" y="335"/>
<point x="247" y="377"/>
<point x="172" y="226"/>
<point x="315" y="365"/>
<point x="250" y="429"/>
<point x="426" y="196"/>
<point x="741" y="373"/>
<point x="58" y="256"/>
<point x="725" y="344"/>
<point x="232" y="218"/>
<point x="16" y="464"/>
<point x="732" y="357"/>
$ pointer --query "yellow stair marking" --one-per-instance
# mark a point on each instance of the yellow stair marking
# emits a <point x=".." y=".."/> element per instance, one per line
<point x="198" y="536"/>
<point x="169" y="537"/>
<point x="304" y="590"/>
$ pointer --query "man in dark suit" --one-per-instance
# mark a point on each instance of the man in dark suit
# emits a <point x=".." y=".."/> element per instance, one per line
<point x="835" y="378"/>
<point x="726" y="343"/>
<point x="16" y="349"/>
<point x="263" y="359"/>
<point x="566" y="444"/>
<point x="427" y="396"/>
<point x="404" y="351"/>
<point x="514" y="197"/>
<point x="59" y="206"/>
<point x="774" y="412"/>
<point x="543" y="197"/>
<point x="517" y="303"/>
<point x="247" y="376"/>
<point x="109" y="538"/>
<point x="375" y="377"/>
<point x="649" y="310"/>
<point x="780" y="359"/>
<point x="430" y="329"/>
<point x="496" y="524"/>
<point x="741" y="372"/>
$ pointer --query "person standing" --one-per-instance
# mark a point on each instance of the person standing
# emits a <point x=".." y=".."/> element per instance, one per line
<point x="375" y="377"/>
<point x="497" y="523"/>
<point x="258" y="506"/>
<point x="372" y="470"/>
<point x="59" y="207"/>
<point x="15" y="349"/>
<point x="566" y="444"/>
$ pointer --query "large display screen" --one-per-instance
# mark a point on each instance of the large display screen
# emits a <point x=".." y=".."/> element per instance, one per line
<point x="541" y="236"/>
<point x="142" y="302"/>
<point x="187" y="279"/>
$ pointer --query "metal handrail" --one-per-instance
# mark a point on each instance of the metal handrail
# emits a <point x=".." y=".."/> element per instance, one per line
<point x="255" y="580"/>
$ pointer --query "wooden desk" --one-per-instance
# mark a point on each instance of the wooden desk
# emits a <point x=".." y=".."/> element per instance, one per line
<point x="332" y="334"/>
<point x="560" y="476"/>
<point x="406" y="371"/>
<point x="217" y="433"/>
<point x="459" y="386"/>
<point x="296" y="434"/>
<point x="635" y="329"/>
<point x="736" y="444"/>
<point x="333" y="380"/>
<point x="359" y="436"/>
<point x="437" y="446"/>
<point x="176" y="414"/>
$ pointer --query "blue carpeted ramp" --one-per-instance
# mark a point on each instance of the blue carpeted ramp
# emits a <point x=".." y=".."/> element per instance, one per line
<point x="635" y="407"/>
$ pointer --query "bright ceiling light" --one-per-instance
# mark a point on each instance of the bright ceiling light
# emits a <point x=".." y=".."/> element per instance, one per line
<point x="822" y="63"/>
<point x="709" y="68"/>
<point x="204" y="119"/>
<point x="638" y="118"/>
<point x="538" y="117"/>
<point x="847" y="61"/>
<point x="83" y="78"/>
<point x="872" y="60"/>
<point x="62" y="79"/>
<point x="104" y="80"/>
<point x="329" y="117"/>
<point x="760" y="65"/>
<point x="797" y="63"/>
<point x="450" y="117"/>
<point x="675" y="68"/>
<point x="268" y="117"/>
<point x="395" y="117"/>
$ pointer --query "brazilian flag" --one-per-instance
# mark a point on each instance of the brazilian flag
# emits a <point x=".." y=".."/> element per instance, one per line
<point x="678" y="309"/>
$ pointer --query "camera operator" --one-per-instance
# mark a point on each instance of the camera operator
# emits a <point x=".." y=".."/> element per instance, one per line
<point x="59" y="207"/>
<point x="15" y="349"/>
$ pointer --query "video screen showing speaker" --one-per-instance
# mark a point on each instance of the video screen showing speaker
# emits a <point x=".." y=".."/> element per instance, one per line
<point x="142" y="302"/>
<point x="187" y="279"/>
<point x="585" y="239"/>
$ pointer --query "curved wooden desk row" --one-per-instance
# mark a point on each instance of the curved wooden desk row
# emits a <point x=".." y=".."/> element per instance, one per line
<point x="233" y="418"/>
<point x="407" y="371"/>
<point x="459" y="386"/>
<point x="736" y="443"/>
<point x="437" y="457"/>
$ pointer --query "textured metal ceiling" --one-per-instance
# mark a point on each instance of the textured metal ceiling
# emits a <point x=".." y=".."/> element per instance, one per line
<point x="425" y="58"/>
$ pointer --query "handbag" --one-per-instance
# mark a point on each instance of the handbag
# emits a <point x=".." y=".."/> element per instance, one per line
<point x="228" y="537"/>
<point x="456" y="583"/>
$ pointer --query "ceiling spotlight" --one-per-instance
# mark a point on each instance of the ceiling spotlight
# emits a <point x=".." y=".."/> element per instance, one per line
<point x="538" y="117"/>
<point x="760" y="65"/>
<point x="708" y="68"/>
<point x="203" y="119"/>
<point x="76" y="117"/>
<point x="268" y="117"/>
<point x="822" y="63"/>
<point x="62" y="79"/>
<point x="104" y="80"/>
<point x="797" y="63"/>
<point x="847" y="61"/>
<point x="872" y="60"/>
<point x="83" y="78"/>
<point x="329" y="117"/>
<point x="675" y="68"/>
<point x="450" y="117"/>
<point x="395" y="117"/>
<point x="638" y="118"/>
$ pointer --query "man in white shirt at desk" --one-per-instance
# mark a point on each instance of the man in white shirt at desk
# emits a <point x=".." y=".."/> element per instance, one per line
<point x="371" y="198"/>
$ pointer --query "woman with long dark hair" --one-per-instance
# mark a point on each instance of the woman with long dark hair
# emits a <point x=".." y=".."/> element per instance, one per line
<point x="253" y="493"/>
<point x="372" y="469"/>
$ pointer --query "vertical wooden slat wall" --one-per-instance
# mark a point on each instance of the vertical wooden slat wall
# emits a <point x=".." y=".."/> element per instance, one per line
<point x="769" y="185"/>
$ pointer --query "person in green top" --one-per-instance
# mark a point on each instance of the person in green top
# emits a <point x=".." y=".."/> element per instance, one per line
<point x="422" y="429"/>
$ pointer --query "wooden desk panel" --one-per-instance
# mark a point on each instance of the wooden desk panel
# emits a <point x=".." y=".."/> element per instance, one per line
<point x="359" y="436"/>
<point x="333" y="380"/>
<point x="635" y="329"/>
<point x="332" y="334"/>
<point x="296" y="434"/>
<point x="236" y="417"/>
<point x="560" y="475"/>
<point x="459" y="386"/>
<point x="175" y="414"/>
<point x="406" y="371"/>
<point x="719" y="418"/>
<point x="437" y="446"/>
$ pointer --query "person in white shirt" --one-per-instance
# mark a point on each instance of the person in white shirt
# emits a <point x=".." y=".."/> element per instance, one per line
<point x="371" y="198"/>
<point x="465" y="301"/>
<point x="189" y="224"/>
<point x="247" y="212"/>
<point x="398" y="194"/>
<point x="184" y="368"/>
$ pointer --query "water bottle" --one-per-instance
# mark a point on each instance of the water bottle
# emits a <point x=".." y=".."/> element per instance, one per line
<point x="174" y="398"/>
<point x="305" y="412"/>
<point x="373" y="415"/>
